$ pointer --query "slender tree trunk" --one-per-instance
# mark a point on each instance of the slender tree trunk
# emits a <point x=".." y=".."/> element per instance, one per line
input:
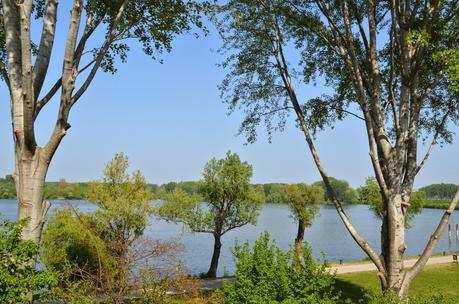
<point x="212" y="273"/>
<point x="299" y="243"/>
<point x="30" y="183"/>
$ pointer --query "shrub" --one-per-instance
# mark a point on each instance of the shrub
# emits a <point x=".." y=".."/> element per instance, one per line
<point x="18" y="277"/>
<point x="266" y="274"/>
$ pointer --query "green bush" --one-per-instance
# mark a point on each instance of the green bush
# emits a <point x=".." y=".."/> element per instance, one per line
<point x="18" y="276"/>
<point x="266" y="274"/>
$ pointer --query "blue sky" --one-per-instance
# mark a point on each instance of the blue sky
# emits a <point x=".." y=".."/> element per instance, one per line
<point x="168" y="118"/>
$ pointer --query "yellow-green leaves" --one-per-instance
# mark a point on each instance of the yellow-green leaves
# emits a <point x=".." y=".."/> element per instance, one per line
<point x="226" y="199"/>
<point x="304" y="201"/>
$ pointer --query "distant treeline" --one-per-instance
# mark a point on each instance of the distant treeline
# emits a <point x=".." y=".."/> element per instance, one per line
<point x="53" y="190"/>
<point x="437" y="195"/>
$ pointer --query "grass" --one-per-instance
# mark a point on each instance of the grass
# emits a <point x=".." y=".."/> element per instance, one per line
<point x="439" y="278"/>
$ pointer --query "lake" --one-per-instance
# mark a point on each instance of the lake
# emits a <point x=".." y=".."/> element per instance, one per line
<point x="327" y="235"/>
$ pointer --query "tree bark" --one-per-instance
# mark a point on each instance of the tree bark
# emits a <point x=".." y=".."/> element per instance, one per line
<point x="30" y="181"/>
<point x="299" y="243"/>
<point x="212" y="273"/>
<point x="393" y="244"/>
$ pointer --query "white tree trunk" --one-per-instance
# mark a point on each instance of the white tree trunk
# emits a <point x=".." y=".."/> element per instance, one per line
<point x="393" y="244"/>
<point x="30" y="183"/>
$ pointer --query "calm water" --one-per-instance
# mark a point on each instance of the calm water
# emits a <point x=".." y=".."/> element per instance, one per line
<point x="327" y="234"/>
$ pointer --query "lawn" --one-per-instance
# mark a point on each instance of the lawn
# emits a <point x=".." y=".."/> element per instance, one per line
<point x="440" y="278"/>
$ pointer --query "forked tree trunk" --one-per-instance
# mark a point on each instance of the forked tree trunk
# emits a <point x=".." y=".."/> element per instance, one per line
<point x="299" y="243"/>
<point x="212" y="273"/>
<point x="30" y="183"/>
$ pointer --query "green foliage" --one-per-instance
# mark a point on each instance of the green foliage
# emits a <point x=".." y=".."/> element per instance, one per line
<point x="440" y="191"/>
<point x="7" y="187"/>
<point x="304" y="202"/>
<point x="344" y="193"/>
<point x="53" y="190"/>
<point x="266" y="275"/>
<point x="449" y="59"/>
<point x="91" y="251"/>
<point x="65" y="190"/>
<point x="230" y="201"/>
<point x="370" y="194"/>
<point x="18" y="276"/>
<point x="438" y="204"/>
<point x="275" y="193"/>
<point x="123" y="201"/>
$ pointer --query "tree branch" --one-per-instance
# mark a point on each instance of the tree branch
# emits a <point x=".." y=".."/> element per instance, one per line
<point x="54" y="90"/>
<point x="46" y="45"/>
<point x="433" y="143"/>
<point x="111" y="36"/>
<point x="433" y="239"/>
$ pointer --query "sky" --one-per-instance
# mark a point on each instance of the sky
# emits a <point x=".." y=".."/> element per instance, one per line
<point x="169" y="120"/>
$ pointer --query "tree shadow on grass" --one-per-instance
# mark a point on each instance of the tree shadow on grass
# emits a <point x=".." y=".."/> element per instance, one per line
<point x="350" y="291"/>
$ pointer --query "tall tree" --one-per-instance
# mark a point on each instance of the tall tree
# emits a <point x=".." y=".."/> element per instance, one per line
<point x="25" y="64"/>
<point x="230" y="202"/>
<point x="392" y="61"/>
<point x="304" y="202"/>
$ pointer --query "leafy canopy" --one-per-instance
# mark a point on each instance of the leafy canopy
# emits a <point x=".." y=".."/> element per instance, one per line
<point x="304" y="202"/>
<point x="226" y="199"/>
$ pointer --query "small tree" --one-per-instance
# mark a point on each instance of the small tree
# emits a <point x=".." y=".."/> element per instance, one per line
<point x="370" y="194"/>
<point x="304" y="202"/>
<point x="96" y="245"/>
<point x="230" y="202"/>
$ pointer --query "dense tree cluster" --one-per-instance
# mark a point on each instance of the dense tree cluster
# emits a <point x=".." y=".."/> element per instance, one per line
<point x="440" y="191"/>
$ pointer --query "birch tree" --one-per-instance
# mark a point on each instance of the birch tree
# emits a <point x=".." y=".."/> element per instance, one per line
<point x="25" y="64"/>
<point x="389" y="64"/>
